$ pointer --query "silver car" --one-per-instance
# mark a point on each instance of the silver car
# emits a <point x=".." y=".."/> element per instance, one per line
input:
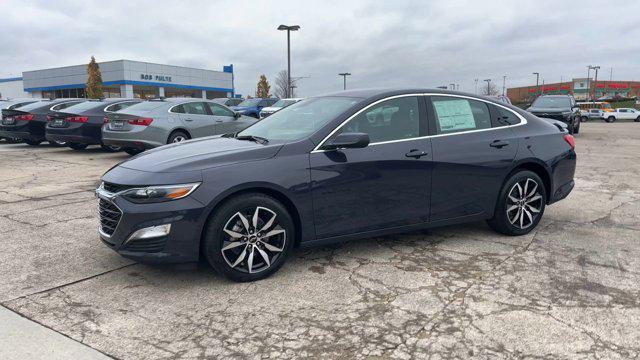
<point x="158" y="122"/>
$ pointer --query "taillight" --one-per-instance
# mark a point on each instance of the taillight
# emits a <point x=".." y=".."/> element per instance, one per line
<point x="570" y="140"/>
<point x="105" y="120"/>
<point x="27" y="117"/>
<point x="141" y="121"/>
<point x="77" y="119"/>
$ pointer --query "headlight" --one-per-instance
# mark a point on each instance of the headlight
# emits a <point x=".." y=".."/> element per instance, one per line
<point x="159" y="193"/>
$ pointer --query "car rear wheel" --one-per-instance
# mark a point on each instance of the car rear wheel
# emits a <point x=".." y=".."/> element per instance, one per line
<point x="637" y="119"/>
<point x="584" y="118"/>
<point x="58" y="143"/>
<point x="521" y="204"/>
<point x="110" y="148"/>
<point x="133" y="151"/>
<point x="610" y="119"/>
<point x="77" y="146"/>
<point x="177" y="136"/>
<point x="249" y="237"/>
<point x="576" y="128"/>
<point x="33" y="142"/>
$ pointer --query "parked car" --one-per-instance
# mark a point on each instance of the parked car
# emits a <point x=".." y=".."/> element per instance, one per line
<point x="228" y="101"/>
<point x="591" y="114"/>
<point x="28" y="122"/>
<point x="280" y="104"/>
<point x="164" y="121"/>
<point x="252" y="107"/>
<point x="10" y="104"/>
<point x="80" y="125"/>
<point x="622" y="114"/>
<point x="332" y="168"/>
<point x="558" y="107"/>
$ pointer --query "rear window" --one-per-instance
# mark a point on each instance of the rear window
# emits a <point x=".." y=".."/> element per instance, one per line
<point x="35" y="105"/>
<point x="84" y="106"/>
<point x="64" y="105"/>
<point x="146" y="106"/>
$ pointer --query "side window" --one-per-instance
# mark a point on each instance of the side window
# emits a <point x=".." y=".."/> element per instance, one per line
<point x="195" y="108"/>
<point x="623" y="110"/>
<point x="178" y="109"/>
<point x="393" y="119"/>
<point x="218" y="110"/>
<point x="456" y="114"/>
<point x="505" y="117"/>
<point x="263" y="103"/>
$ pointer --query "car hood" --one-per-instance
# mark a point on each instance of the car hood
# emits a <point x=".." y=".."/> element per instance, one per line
<point x="271" y="109"/>
<point x="200" y="154"/>
<point x="548" y="110"/>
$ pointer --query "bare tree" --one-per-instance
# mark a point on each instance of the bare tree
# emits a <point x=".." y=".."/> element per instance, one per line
<point x="490" y="89"/>
<point x="281" y="84"/>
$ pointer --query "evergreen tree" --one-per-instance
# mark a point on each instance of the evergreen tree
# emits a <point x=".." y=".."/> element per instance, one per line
<point x="263" y="87"/>
<point x="94" y="80"/>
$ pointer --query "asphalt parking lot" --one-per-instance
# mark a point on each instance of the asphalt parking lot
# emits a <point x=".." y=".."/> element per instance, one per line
<point x="570" y="289"/>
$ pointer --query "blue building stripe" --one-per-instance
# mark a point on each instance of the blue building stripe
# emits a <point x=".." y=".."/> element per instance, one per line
<point x="129" y="82"/>
<point x="10" y="79"/>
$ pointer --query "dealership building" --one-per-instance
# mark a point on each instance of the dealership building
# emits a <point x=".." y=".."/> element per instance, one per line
<point x="123" y="78"/>
<point x="582" y="89"/>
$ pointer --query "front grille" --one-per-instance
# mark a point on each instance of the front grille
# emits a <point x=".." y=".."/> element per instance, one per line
<point x="109" y="216"/>
<point x="550" y="116"/>
<point x="114" y="188"/>
<point x="146" y="245"/>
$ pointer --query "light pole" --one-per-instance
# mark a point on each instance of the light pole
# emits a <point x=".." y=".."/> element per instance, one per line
<point x="488" y="86"/>
<point x="595" y="83"/>
<point x="289" y="29"/>
<point x="504" y="83"/>
<point x="537" y="81"/>
<point x="588" y="81"/>
<point x="476" y="86"/>
<point x="344" y="79"/>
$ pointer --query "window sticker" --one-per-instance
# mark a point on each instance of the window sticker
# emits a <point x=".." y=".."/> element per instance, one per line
<point x="454" y="115"/>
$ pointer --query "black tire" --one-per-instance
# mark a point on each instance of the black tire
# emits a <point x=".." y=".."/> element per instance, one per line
<point x="77" y="146"/>
<point x="501" y="221"/>
<point x="216" y="238"/>
<point x="576" y="129"/>
<point x="637" y="119"/>
<point x="584" y="118"/>
<point x="178" y="136"/>
<point x="33" y="142"/>
<point x="111" y="148"/>
<point x="57" y="143"/>
<point x="610" y="119"/>
<point x="133" y="151"/>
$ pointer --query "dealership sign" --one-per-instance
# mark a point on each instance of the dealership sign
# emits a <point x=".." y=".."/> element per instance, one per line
<point x="155" y="77"/>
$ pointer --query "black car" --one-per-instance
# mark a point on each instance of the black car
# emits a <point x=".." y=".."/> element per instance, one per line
<point x="28" y="122"/>
<point x="349" y="165"/>
<point x="558" y="107"/>
<point x="80" y="125"/>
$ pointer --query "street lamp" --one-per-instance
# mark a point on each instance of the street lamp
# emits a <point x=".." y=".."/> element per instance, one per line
<point x="488" y="86"/>
<point x="289" y="29"/>
<point x="595" y="82"/>
<point x="344" y="79"/>
<point x="537" y="81"/>
<point x="504" y="83"/>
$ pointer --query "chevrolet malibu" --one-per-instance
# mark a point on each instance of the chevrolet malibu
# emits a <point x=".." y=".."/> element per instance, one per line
<point x="355" y="164"/>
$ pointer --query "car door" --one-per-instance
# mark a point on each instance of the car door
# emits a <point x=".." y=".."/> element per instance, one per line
<point x="225" y="119"/>
<point x="197" y="119"/>
<point x="383" y="185"/>
<point x="473" y="149"/>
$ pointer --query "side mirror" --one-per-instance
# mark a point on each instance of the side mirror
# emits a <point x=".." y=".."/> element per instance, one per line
<point x="347" y="141"/>
<point x="236" y="115"/>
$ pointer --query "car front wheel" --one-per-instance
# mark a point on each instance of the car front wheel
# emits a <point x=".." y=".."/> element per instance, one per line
<point x="133" y="151"/>
<point x="521" y="204"/>
<point x="637" y="119"/>
<point x="77" y="146"/>
<point x="610" y="119"/>
<point x="249" y="237"/>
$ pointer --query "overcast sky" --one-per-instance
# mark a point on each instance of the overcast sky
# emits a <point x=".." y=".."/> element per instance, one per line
<point x="383" y="44"/>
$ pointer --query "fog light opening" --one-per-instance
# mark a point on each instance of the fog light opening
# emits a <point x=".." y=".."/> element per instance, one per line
<point x="151" y="232"/>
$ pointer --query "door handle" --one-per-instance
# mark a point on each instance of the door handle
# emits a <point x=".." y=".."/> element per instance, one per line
<point x="218" y="120"/>
<point x="415" y="153"/>
<point x="499" y="144"/>
<point x="188" y="119"/>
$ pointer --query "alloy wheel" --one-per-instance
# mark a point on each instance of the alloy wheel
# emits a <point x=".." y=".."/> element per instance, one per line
<point x="179" y="138"/>
<point x="253" y="240"/>
<point x="524" y="203"/>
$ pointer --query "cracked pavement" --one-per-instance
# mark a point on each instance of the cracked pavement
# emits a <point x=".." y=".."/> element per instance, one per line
<point x="570" y="289"/>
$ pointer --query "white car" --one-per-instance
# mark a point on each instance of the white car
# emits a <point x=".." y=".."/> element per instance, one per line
<point x="622" y="114"/>
<point x="280" y="104"/>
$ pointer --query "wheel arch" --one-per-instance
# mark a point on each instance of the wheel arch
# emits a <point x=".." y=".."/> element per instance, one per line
<point x="260" y="188"/>
<point x="178" y="129"/>
<point x="539" y="168"/>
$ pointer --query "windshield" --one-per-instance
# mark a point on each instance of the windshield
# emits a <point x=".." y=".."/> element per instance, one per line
<point x="552" y="102"/>
<point x="84" y="106"/>
<point x="283" y="103"/>
<point x="300" y="119"/>
<point x="250" y="102"/>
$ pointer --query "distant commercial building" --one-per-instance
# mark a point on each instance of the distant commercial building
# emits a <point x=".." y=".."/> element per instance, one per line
<point x="123" y="78"/>
<point x="581" y="88"/>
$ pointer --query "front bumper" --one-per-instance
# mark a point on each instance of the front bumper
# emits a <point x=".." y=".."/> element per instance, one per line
<point x="181" y="245"/>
